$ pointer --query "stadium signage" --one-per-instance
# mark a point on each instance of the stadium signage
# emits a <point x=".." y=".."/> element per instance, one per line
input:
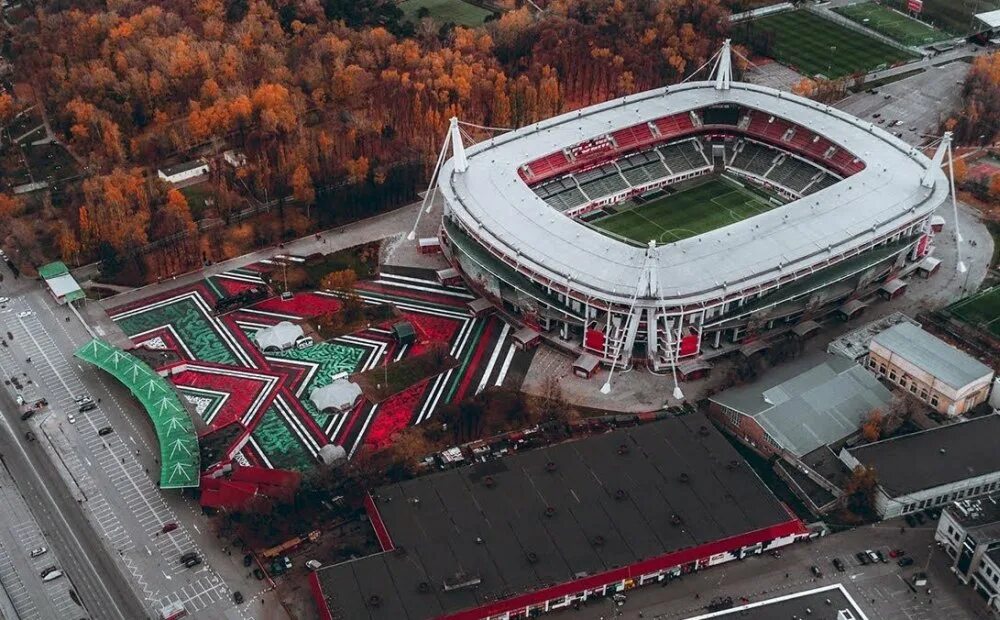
<point x="589" y="148"/>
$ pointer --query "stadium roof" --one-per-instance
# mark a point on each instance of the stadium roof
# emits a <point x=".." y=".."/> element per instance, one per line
<point x="935" y="457"/>
<point x="810" y="402"/>
<point x="947" y="364"/>
<point x="556" y="515"/>
<point x="180" y="458"/>
<point x="492" y="200"/>
<point x="991" y="19"/>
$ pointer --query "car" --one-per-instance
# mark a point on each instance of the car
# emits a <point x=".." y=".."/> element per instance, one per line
<point x="30" y="436"/>
<point x="903" y="562"/>
<point x="168" y="527"/>
<point x="873" y="556"/>
<point x="910" y="520"/>
<point x="287" y="295"/>
<point x="190" y="555"/>
<point x="897" y="553"/>
<point x="82" y="399"/>
<point x="815" y="571"/>
<point x="23" y="315"/>
<point x="313" y="564"/>
<point x="71" y="418"/>
<point x="195" y="561"/>
<point x="919" y="517"/>
<point x="20" y="399"/>
<point x="863" y="558"/>
<point x="27" y="414"/>
<point x="257" y="573"/>
<point x="4" y="300"/>
<point x="887" y="96"/>
<point x="56" y="574"/>
<point x="107" y="430"/>
<point x="238" y="597"/>
<point x="46" y="571"/>
<point x="85" y="407"/>
<point x="933" y="513"/>
<point x="37" y="551"/>
<point x="838" y="564"/>
<point x="247" y="560"/>
<point x="876" y="115"/>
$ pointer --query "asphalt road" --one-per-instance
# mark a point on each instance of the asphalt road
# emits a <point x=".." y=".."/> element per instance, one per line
<point x="100" y="586"/>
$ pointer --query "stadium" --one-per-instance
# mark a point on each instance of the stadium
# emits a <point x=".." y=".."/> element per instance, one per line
<point x="679" y="224"/>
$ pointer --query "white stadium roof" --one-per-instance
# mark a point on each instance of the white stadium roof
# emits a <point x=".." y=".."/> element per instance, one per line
<point x="492" y="201"/>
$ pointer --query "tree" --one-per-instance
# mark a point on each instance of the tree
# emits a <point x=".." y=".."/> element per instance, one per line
<point x="7" y="108"/>
<point x="343" y="281"/>
<point x="860" y="493"/>
<point x="302" y="186"/>
<point x="961" y="171"/>
<point x="872" y="425"/>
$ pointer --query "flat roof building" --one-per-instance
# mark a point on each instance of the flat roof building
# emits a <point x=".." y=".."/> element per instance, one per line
<point x="950" y="380"/>
<point x="183" y="172"/>
<point x="969" y="532"/>
<point x="542" y="529"/>
<point x="932" y="467"/>
<point x="61" y="284"/>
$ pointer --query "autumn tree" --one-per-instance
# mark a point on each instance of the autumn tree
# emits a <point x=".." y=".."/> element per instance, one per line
<point x="961" y="171"/>
<point x="872" y="425"/>
<point x="302" y="185"/>
<point x="343" y="281"/>
<point x="860" y="493"/>
<point x="7" y="109"/>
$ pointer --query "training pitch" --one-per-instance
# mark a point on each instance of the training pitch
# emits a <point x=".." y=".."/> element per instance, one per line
<point x="892" y="23"/>
<point x="691" y="211"/>
<point x="815" y="45"/>
<point x="981" y="310"/>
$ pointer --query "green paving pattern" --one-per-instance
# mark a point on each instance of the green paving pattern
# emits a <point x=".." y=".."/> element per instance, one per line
<point x="981" y="310"/>
<point x="282" y="448"/>
<point x="814" y="45"/>
<point x="180" y="459"/>
<point x="192" y="326"/>
<point x="892" y="24"/>
<point x="689" y="212"/>
<point x="332" y="358"/>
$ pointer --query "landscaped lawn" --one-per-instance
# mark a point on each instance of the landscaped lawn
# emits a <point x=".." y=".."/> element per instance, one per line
<point x="457" y="11"/>
<point x="814" y="45"/>
<point x="892" y="23"/>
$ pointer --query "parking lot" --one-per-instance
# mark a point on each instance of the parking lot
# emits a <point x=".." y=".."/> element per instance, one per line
<point x="880" y="589"/>
<point x="110" y="474"/>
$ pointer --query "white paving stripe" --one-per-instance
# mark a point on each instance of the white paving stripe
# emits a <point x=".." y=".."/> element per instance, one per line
<point x="493" y="358"/>
<point x="506" y="365"/>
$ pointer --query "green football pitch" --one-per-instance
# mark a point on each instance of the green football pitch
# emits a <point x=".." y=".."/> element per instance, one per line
<point x="686" y="213"/>
<point x="893" y="24"/>
<point x="815" y="45"/>
<point x="981" y="310"/>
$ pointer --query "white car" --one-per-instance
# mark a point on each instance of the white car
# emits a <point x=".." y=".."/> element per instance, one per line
<point x="24" y="315"/>
<point x="4" y="300"/>
<point x="38" y="551"/>
<point x="71" y="418"/>
<point x="56" y="574"/>
<point x="20" y="399"/>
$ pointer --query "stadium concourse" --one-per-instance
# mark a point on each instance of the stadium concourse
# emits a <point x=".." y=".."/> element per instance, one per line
<point x="664" y="226"/>
<point x="548" y="528"/>
<point x="255" y="407"/>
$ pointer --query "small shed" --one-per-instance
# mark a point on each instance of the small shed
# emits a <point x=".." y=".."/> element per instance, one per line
<point x="337" y="397"/>
<point x="526" y="338"/>
<point x="449" y="276"/>
<point x="851" y="309"/>
<point x="892" y="289"/>
<point x="586" y="365"/>
<point x="693" y="369"/>
<point x="480" y="307"/>
<point x="61" y="284"/>
<point x="805" y="329"/>
<point x="937" y="223"/>
<point x="429" y="245"/>
<point x="928" y="267"/>
<point x="404" y="333"/>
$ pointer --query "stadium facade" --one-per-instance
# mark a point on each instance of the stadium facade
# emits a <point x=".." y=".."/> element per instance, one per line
<point x="852" y="205"/>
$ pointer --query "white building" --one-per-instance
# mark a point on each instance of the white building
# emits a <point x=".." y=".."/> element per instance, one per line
<point x="969" y="532"/>
<point x="280" y="337"/>
<point x="183" y="172"/>
<point x="932" y="468"/>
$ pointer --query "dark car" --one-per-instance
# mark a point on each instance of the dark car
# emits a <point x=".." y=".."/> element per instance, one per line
<point x="85" y="407"/>
<point x="863" y="558"/>
<point x="259" y="574"/>
<point x="910" y="520"/>
<point x="919" y="517"/>
<point x="107" y="430"/>
<point x="838" y="564"/>
<point x="168" y="527"/>
<point x="195" y="561"/>
<point x="27" y="414"/>
<point x="190" y="555"/>
<point x="30" y="436"/>
<point x="247" y="560"/>
<point x="238" y="597"/>
<point x="881" y="556"/>
<point x="815" y="571"/>
<point x="905" y="561"/>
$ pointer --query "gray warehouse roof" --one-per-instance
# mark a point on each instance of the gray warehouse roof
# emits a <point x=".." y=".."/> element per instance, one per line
<point x="491" y="199"/>
<point x="811" y="402"/>
<point x="612" y="498"/>
<point x="931" y="354"/>
<point x="935" y="457"/>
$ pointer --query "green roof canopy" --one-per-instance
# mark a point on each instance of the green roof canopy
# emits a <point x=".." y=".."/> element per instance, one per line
<point x="53" y="270"/>
<point x="179" y="454"/>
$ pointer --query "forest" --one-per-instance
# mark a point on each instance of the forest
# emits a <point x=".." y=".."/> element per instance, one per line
<point x="340" y="104"/>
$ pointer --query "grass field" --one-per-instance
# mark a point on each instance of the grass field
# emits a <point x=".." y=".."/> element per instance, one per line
<point x="892" y="24"/>
<point x="814" y="45"/>
<point x="457" y="11"/>
<point x="981" y="310"/>
<point x="954" y="16"/>
<point x="692" y="211"/>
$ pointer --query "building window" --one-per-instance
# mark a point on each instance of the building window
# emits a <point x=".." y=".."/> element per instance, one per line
<point x="892" y="375"/>
<point x="934" y="400"/>
<point x="902" y="382"/>
<point x="881" y="369"/>
<point x="913" y="388"/>
<point x="871" y="363"/>
<point x="923" y="394"/>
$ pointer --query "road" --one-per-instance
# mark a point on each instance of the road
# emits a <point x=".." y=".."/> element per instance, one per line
<point x="100" y="586"/>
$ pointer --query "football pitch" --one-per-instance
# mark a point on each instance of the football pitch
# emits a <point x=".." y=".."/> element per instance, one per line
<point x="892" y="24"/>
<point x="981" y="310"/>
<point x="814" y="45"/>
<point x="689" y="212"/>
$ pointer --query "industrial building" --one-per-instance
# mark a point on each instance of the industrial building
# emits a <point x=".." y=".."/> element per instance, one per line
<point x="969" y="532"/>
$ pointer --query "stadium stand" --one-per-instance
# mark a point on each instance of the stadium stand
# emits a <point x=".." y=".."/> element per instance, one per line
<point x="674" y="125"/>
<point x="631" y="138"/>
<point x="793" y="174"/>
<point x="568" y="199"/>
<point x="682" y="157"/>
<point x="753" y="158"/>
